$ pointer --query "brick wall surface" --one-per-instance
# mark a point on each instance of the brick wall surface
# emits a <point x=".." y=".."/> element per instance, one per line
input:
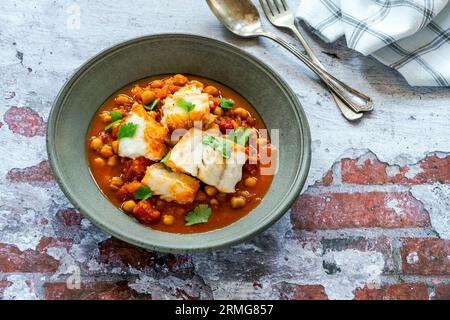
<point x="368" y="229"/>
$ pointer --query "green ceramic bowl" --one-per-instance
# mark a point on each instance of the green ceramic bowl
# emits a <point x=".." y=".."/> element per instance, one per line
<point x="127" y="62"/>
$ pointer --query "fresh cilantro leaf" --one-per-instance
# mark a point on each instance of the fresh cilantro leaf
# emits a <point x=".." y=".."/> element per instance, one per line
<point x="226" y="104"/>
<point x="115" y="115"/>
<point x="199" y="215"/>
<point x="166" y="157"/>
<point x="220" y="145"/>
<point x="152" y="105"/>
<point x="143" y="193"/>
<point x="112" y="124"/>
<point x="128" y="130"/>
<point x="186" y="106"/>
<point x="240" y="135"/>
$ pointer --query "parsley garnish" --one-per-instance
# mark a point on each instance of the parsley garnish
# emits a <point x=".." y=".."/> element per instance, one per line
<point x="188" y="107"/>
<point x="199" y="215"/>
<point x="152" y="105"/>
<point x="240" y="135"/>
<point x="128" y="130"/>
<point x="143" y="193"/>
<point x="166" y="157"/>
<point x="220" y="145"/>
<point x="115" y="115"/>
<point x="112" y="124"/>
<point x="226" y="104"/>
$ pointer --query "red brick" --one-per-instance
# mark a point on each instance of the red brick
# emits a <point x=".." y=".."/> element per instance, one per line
<point x="48" y="242"/>
<point x="120" y="254"/>
<point x="14" y="260"/>
<point x="310" y="292"/>
<point x="93" y="291"/>
<point x="434" y="170"/>
<point x="327" y="180"/>
<point x="25" y="122"/>
<point x="3" y="285"/>
<point x="369" y="172"/>
<point x="179" y="264"/>
<point x="424" y="256"/>
<point x="35" y="174"/>
<point x="357" y="210"/>
<point x="401" y="291"/>
<point x="290" y="291"/>
<point x="70" y="217"/>
<point x="442" y="292"/>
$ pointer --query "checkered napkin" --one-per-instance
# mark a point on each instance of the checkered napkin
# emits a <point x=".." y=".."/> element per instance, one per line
<point x="412" y="36"/>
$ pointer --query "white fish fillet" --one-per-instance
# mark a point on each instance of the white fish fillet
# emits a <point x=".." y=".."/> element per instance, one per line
<point x="176" y="117"/>
<point x="148" y="140"/>
<point x="171" y="186"/>
<point x="207" y="164"/>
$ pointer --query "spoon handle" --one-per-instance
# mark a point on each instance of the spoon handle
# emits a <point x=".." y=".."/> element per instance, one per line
<point x="356" y="100"/>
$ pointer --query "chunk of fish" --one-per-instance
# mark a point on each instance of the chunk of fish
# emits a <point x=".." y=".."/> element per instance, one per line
<point x="176" y="117"/>
<point x="207" y="164"/>
<point x="171" y="186"/>
<point x="148" y="141"/>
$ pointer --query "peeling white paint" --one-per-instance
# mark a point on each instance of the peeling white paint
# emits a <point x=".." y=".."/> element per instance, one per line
<point x="413" y="171"/>
<point x="19" y="289"/>
<point x="412" y="258"/>
<point x="407" y="125"/>
<point x="436" y="200"/>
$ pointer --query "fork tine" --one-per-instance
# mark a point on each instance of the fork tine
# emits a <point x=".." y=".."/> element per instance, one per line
<point x="286" y="7"/>
<point x="271" y="7"/>
<point x="277" y="5"/>
<point x="265" y="9"/>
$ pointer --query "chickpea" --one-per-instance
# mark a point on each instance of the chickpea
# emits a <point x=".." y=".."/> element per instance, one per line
<point x="168" y="219"/>
<point x="116" y="183"/>
<point x="250" y="182"/>
<point x="201" y="196"/>
<point x="122" y="99"/>
<point x="237" y="202"/>
<point x="106" y="117"/>
<point x="99" y="162"/>
<point x="115" y="146"/>
<point x="245" y="194"/>
<point x="180" y="80"/>
<point x="197" y="84"/>
<point x="136" y="91"/>
<point x="210" y="191"/>
<point x="218" y="111"/>
<point x="235" y="124"/>
<point x="156" y="84"/>
<point x="96" y="144"/>
<point x="113" y="161"/>
<point x="241" y="112"/>
<point x="128" y="206"/>
<point x="148" y="97"/>
<point x="106" y="151"/>
<point x="212" y="91"/>
<point x="214" y="202"/>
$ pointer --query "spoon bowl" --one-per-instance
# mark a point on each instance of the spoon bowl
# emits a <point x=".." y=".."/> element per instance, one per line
<point x="240" y="17"/>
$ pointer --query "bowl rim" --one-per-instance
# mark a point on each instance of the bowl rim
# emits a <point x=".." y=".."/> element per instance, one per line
<point x="281" y="209"/>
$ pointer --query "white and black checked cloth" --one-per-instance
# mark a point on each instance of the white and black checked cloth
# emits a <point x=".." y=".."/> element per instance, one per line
<point x="412" y="36"/>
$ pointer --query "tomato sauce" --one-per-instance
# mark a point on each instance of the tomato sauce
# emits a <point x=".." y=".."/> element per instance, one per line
<point x="223" y="214"/>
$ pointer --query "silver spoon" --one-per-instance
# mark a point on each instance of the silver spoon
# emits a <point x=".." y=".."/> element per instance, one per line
<point x="242" y="18"/>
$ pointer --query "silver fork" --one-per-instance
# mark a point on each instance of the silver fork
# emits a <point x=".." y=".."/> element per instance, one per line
<point x="281" y="16"/>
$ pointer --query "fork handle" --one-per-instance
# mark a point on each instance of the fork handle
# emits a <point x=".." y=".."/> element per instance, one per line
<point x="348" y="113"/>
<point x="356" y="100"/>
